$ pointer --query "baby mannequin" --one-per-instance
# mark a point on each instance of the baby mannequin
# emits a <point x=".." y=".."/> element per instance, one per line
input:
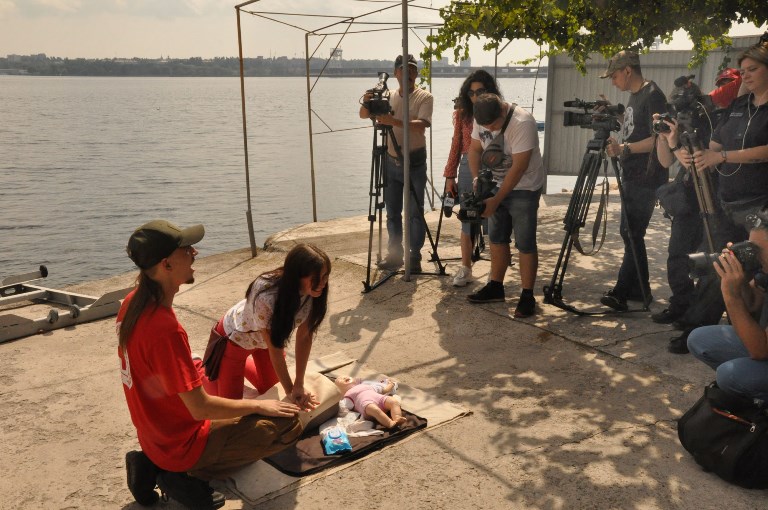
<point x="372" y="401"/>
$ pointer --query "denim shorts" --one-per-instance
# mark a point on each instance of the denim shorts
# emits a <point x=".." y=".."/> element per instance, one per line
<point x="517" y="213"/>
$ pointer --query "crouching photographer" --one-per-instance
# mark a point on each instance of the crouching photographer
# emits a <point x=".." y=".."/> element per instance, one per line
<point x="739" y="352"/>
<point x="505" y="140"/>
<point x="420" y="118"/>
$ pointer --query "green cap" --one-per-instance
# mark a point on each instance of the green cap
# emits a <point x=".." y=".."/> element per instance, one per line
<point x="156" y="240"/>
<point x="621" y="60"/>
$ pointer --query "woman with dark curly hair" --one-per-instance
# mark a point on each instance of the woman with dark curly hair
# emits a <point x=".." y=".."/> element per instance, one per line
<point x="294" y="296"/>
<point x="479" y="82"/>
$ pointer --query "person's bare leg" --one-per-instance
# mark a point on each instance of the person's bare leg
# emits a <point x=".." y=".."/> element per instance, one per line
<point x="466" y="250"/>
<point x="529" y="265"/>
<point x="500" y="261"/>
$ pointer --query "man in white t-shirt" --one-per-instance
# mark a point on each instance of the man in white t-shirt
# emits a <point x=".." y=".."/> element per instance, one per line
<point x="519" y="178"/>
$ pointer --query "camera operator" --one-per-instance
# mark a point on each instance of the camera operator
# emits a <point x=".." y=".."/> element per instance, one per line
<point x="739" y="353"/>
<point x="420" y="112"/>
<point x="738" y="151"/>
<point x="642" y="174"/>
<point x="686" y="232"/>
<point x="519" y="176"/>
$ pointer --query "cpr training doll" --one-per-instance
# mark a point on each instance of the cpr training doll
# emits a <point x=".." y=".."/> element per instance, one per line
<point x="371" y="400"/>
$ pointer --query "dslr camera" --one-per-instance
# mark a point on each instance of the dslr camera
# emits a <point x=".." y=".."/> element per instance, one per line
<point x="472" y="202"/>
<point x="606" y="119"/>
<point x="746" y="253"/>
<point x="379" y="103"/>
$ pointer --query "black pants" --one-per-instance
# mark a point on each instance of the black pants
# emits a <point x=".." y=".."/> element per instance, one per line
<point x="685" y="237"/>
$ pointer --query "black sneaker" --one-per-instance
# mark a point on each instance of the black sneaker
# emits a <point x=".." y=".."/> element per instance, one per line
<point x="488" y="294"/>
<point x="142" y="473"/>
<point x="611" y="300"/>
<point x="666" y="316"/>
<point x="191" y="492"/>
<point x="679" y="344"/>
<point x="390" y="263"/>
<point x="526" y="307"/>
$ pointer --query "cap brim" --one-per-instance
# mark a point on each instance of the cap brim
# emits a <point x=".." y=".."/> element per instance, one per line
<point x="192" y="235"/>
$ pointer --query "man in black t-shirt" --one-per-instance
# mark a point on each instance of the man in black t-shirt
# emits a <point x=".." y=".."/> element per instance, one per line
<point x="642" y="174"/>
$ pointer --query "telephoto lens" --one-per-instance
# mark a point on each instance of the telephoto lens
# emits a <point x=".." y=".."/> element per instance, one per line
<point x="746" y="253"/>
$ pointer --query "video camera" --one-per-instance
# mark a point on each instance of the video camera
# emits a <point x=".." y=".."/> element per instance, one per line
<point x="473" y="202"/>
<point x="746" y="253"/>
<point x="605" y="119"/>
<point x="687" y="105"/>
<point x="379" y="103"/>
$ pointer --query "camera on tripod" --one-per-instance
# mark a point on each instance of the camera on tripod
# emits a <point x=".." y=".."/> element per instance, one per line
<point x="746" y="253"/>
<point x="686" y="106"/>
<point x="607" y="119"/>
<point x="379" y="102"/>
<point x="473" y="202"/>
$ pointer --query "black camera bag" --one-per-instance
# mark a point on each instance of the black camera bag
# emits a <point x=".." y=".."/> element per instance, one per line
<point x="726" y="434"/>
<point x="675" y="196"/>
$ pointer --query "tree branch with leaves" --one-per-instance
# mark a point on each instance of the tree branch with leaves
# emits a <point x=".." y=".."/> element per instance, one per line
<point x="580" y="27"/>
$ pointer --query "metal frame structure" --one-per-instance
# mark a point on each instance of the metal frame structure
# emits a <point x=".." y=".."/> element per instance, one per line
<point x="341" y="26"/>
<point x="71" y="308"/>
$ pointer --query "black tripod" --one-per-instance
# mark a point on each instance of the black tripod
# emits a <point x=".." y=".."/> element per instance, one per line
<point x="377" y="200"/>
<point x="575" y="219"/>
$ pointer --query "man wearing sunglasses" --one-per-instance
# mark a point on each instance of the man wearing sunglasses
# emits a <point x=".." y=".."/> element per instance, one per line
<point x="186" y="435"/>
<point x="420" y="118"/>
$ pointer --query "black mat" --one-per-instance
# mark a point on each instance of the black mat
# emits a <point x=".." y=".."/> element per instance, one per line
<point x="307" y="455"/>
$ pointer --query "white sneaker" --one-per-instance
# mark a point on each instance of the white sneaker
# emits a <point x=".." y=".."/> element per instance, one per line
<point x="462" y="277"/>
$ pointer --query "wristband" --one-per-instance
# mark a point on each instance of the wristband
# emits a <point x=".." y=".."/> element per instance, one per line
<point x="676" y="147"/>
<point x="627" y="150"/>
<point x="724" y="155"/>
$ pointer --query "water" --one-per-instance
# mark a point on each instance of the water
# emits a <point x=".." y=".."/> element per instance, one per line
<point x="85" y="160"/>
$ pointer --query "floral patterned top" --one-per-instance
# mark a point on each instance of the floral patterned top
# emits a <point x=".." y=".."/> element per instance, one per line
<point x="246" y="322"/>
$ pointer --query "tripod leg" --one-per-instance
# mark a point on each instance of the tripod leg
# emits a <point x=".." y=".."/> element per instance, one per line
<point x="423" y="220"/>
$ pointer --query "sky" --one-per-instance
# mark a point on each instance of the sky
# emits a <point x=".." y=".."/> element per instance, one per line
<point x="208" y="28"/>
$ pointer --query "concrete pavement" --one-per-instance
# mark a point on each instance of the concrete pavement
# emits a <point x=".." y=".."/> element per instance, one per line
<point x="568" y="411"/>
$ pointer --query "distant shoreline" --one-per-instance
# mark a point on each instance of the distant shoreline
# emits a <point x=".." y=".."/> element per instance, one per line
<point x="42" y="65"/>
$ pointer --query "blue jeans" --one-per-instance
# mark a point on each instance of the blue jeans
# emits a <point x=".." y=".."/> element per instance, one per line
<point x="393" y="199"/>
<point x="720" y="348"/>
<point x="638" y="204"/>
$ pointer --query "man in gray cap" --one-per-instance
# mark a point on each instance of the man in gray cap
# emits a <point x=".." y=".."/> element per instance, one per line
<point x="420" y="118"/>
<point x="642" y="174"/>
<point x="182" y="430"/>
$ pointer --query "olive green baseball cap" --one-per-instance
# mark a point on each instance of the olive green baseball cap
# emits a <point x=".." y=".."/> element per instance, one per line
<point x="621" y="60"/>
<point x="156" y="240"/>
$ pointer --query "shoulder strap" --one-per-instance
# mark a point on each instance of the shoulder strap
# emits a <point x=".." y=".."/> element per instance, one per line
<point x="509" y="116"/>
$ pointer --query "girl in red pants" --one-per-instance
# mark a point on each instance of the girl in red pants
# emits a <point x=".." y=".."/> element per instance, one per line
<point x="259" y="327"/>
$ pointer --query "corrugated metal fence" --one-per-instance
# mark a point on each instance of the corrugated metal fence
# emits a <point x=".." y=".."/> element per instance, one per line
<point x="564" y="147"/>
